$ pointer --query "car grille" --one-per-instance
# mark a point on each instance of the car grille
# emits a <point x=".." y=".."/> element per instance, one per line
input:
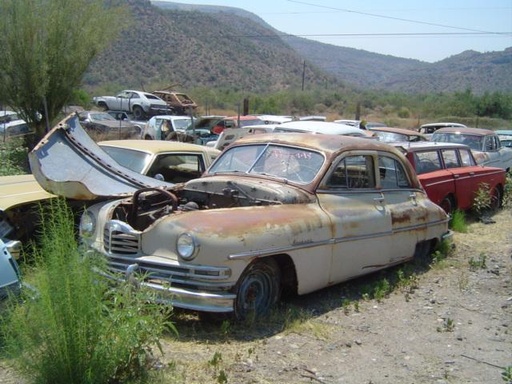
<point x="117" y="238"/>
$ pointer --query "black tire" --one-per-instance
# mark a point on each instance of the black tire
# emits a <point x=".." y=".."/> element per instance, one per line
<point x="257" y="290"/>
<point x="496" y="200"/>
<point x="103" y="105"/>
<point x="448" y="205"/>
<point x="138" y="112"/>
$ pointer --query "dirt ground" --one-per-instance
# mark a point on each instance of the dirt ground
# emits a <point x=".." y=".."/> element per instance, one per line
<point x="449" y="322"/>
<point x="452" y="324"/>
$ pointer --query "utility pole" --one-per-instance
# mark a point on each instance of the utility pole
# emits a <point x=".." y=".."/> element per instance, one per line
<point x="303" y="73"/>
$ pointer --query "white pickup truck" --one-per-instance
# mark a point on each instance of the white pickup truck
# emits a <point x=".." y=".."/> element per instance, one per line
<point x="484" y="143"/>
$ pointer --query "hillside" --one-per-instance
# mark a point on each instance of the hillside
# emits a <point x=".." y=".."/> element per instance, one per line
<point x="197" y="49"/>
<point x="223" y="47"/>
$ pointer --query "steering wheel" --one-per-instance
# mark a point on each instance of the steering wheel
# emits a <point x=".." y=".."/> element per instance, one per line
<point x="161" y="199"/>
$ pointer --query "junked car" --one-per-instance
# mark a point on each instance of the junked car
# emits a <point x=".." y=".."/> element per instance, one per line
<point x="140" y="104"/>
<point x="168" y="162"/>
<point x="505" y="136"/>
<point x="430" y="128"/>
<point x="394" y="135"/>
<point x="180" y="103"/>
<point x="163" y="127"/>
<point x="11" y="125"/>
<point x="10" y="277"/>
<point x="451" y="177"/>
<point x="103" y="126"/>
<point x="274" y="214"/>
<point x="484" y="143"/>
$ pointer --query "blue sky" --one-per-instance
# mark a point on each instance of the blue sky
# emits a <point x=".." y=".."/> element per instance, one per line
<point x="424" y="30"/>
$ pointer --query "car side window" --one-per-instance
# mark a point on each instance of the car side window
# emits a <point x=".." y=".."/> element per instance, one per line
<point x="392" y="173"/>
<point x="353" y="172"/>
<point x="466" y="158"/>
<point x="490" y="143"/>
<point x="177" y="168"/>
<point x="450" y="158"/>
<point x="427" y="162"/>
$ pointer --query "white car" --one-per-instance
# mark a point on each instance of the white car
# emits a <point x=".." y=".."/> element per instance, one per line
<point x="159" y="127"/>
<point x="140" y="104"/>
<point x="12" y="125"/>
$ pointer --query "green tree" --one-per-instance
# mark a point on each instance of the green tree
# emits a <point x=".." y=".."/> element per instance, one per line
<point x="47" y="46"/>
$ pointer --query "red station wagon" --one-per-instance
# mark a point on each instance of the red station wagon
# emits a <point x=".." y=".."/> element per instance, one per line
<point x="451" y="176"/>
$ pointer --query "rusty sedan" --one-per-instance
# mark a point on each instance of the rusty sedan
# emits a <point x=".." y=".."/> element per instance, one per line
<point x="275" y="213"/>
<point x="451" y="177"/>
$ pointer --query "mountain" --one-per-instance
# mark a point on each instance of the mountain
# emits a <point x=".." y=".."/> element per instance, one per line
<point x="200" y="49"/>
<point x="225" y="47"/>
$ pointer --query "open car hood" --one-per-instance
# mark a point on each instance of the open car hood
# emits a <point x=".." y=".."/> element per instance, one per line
<point x="67" y="162"/>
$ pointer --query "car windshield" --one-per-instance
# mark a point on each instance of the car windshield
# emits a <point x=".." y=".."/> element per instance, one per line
<point x="129" y="158"/>
<point x="295" y="164"/>
<point x="389" y="137"/>
<point x="473" y="141"/>
<point x="181" y="124"/>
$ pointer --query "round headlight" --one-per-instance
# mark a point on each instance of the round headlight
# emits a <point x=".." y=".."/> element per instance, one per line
<point x="186" y="246"/>
<point x="87" y="224"/>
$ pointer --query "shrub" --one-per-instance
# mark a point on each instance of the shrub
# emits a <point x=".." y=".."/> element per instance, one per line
<point x="78" y="330"/>
<point x="13" y="157"/>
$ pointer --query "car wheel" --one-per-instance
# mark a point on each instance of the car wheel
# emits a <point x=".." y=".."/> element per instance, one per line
<point x="103" y="105"/>
<point x="257" y="290"/>
<point x="138" y="112"/>
<point x="448" y="204"/>
<point x="496" y="200"/>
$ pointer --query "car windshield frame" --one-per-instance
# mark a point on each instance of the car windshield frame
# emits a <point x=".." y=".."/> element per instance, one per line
<point x="296" y="164"/>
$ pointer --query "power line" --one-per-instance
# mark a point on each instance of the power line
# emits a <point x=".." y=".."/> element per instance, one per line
<point x="390" y="17"/>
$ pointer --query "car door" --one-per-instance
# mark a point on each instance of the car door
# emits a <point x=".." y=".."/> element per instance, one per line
<point x="438" y="182"/>
<point x="361" y="230"/>
<point x="463" y="170"/>
<point x="404" y="203"/>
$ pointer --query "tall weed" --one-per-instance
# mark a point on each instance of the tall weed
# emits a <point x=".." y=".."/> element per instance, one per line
<point x="80" y="330"/>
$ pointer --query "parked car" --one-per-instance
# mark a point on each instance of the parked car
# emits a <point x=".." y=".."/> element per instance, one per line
<point x="126" y="116"/>
<point x="235" y="122"/>
<point x="230" y="135"/>
<point x="484" y="143"/>
<point x="11" y="125"/>
<point x="180" y="103"/>
<point x="163" y="127"/>
<point x="103" y="126"/>
<point x="172" y="162"/>
<point x="20" y="197"/>
<point x="430" y="128"/>
<point x="361" y="124"/>
<point x="393" y="135"/>
<point x="140" y="104"/>
<point x="274" y="213"/>
<point x="451" y="176"/>
<point x="505" y="136"/>
<point x="10" y="277"/>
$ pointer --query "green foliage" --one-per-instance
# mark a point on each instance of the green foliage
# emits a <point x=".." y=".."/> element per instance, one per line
<point x="13" y="156"/>
<point x="78" y="329"/>
<point x="442" y="252"/>
<point x="506" y="375"/>
<point x="480" y="263"/>
<point x="482" y="200"/>
<point x="458" y="221"/>
<point x="507" y="191"/>
<point x="447" y="326"/>
<point x="47" y="47"/>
